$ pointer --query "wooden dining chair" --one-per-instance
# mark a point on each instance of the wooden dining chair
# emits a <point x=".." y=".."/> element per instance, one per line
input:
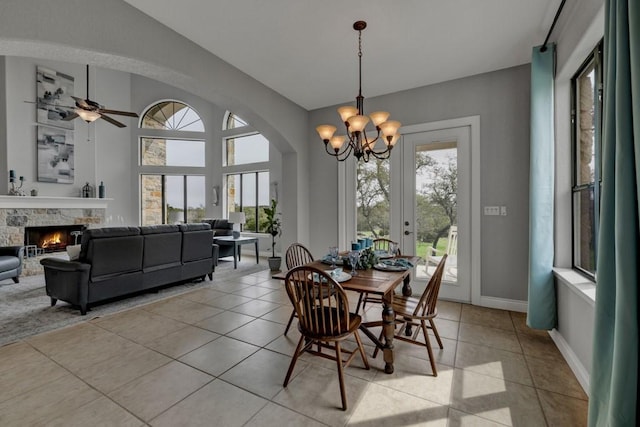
<point x="324" y="322"/>
<point x="295" y="256"/>
<point x="417" y="311"/>
<point x="380" y="244"/>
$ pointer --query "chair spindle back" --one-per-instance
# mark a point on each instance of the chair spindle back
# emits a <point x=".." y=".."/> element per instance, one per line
<point x="429" y="298"/>
<point x="297" y="255"/>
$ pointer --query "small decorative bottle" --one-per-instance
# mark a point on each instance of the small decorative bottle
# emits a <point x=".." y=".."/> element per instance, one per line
<point x="86" y="191"/>
<point x="101" y="190"/>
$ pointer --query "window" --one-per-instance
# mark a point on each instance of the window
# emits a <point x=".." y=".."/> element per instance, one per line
<point x="232" y="121"/>
<point x="586" y="130"/>
<point x="372" y="198"/>
<point x="172" y="115"/>
<point x="172" y="152"/>
<point x="246" y="181"/>
<point x="172" y="199"/>
<point x="249" y="193"/>
<point x="172" y="169"/>
<point x="246" y="149"/>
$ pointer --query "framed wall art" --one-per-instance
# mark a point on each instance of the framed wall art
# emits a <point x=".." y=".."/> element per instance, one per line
<point x="53" y="97"/>
<point x="56" y="162"/>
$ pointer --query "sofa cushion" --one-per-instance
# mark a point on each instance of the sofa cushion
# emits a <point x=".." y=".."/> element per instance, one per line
<point x="113" y="256"/>
<point x="103" y="233"/>
<point x="162" y="249"/>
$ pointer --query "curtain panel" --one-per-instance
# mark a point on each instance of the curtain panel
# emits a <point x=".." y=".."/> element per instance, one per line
<point x="614" y="374"/>
<point x="541" y="312"/>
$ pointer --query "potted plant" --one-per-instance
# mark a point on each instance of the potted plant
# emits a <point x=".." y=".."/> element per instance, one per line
<point x="273" y="226"/>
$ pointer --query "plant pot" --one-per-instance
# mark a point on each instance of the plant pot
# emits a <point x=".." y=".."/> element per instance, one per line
<point x="274" y="263"/>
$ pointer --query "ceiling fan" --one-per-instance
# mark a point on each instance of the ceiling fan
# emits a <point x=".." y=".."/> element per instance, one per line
<point x="90" y="111"/>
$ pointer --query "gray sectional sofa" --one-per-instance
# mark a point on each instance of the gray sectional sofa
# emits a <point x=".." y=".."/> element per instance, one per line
<point x="119" y="261"/>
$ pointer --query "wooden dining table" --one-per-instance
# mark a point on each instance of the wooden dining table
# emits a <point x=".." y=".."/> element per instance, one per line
<point x="375" y="282"/>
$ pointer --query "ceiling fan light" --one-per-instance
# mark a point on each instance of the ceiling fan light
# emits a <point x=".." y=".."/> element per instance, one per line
<point x="87" y="116"/>
<point x="347" y="111"/>
<point x="326" y="132"/>
<point x="378" y="117"/>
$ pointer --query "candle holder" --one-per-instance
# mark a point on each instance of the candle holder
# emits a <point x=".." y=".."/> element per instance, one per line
<point x="16" y="191"/>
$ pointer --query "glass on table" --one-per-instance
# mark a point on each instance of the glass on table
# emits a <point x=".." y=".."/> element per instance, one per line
<point x="393" y="248"/>
<point x="333" y="254"/>
<point x="354" y="257"/>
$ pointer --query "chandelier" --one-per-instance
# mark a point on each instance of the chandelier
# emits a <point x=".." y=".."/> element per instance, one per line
<point x="356" y="140"/>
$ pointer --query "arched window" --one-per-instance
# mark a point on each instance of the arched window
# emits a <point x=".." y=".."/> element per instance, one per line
<point x="172" y="115"/>
<point x="246" y="151"/>
<point x="232" y="122"/>
<point x="172" y="164"/>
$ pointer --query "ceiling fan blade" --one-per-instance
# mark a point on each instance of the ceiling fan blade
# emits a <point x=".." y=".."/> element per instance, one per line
<point x="120" y="113"/>
<point x="112" y="121"/>
<point x="81" y="102"/>
<point x="70" y="117"/>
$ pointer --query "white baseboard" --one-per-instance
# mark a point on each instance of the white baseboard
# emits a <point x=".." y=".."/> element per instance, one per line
<point x="572" y="360"/>
<point x="503" y="304"/>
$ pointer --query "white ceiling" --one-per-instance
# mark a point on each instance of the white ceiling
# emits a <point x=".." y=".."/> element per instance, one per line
<point x="307" y="50"/>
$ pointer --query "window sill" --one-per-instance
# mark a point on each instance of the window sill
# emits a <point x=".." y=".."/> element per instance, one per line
<point x="579" y="284"/>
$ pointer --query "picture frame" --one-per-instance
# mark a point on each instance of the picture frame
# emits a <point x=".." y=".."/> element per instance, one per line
<point x="53" y="98"/>
<point x="56" y="158"/>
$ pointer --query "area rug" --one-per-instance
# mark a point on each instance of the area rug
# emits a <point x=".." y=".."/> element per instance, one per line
<point x="25" y="308"/>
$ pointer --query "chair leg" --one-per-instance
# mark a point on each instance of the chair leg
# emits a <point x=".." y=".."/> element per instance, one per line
<point x="343" y="392"/>
<point x="429" y="349"/>
<point x="375" y="352"/>
<point x="293" y="361"/>
<point x="435" y="332"/>
<point x="293" y="314"/>
<point x="361" y="349"/>
<point x="359" y="302"/>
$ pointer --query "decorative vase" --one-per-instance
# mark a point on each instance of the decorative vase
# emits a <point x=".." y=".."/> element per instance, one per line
<point x="274" y="263"/>
<point x="101" y="190"/>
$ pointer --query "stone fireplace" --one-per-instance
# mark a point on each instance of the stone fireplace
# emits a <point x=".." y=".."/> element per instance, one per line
<point x="18" y="214"/>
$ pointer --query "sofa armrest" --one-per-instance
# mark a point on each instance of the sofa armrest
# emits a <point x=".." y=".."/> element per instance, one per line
<point x="215" y="254"/>
<point x="17" y="251"/>
<point x="64" y="265"/>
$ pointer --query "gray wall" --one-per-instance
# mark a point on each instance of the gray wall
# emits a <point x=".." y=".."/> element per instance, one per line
<point x="501" y="99"/>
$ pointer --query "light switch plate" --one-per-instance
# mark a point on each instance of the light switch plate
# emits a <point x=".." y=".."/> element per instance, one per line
<point x="492" y="210"/>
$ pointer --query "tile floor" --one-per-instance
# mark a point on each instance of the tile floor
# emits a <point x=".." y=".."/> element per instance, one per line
<point x="217" y="357"/>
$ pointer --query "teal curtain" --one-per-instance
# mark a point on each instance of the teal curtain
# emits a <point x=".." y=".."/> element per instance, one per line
<point x="541" y="313"/>
<point x="613" y="397"/>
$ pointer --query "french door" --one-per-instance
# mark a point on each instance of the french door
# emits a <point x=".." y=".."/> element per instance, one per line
<point x="431" y="204"/>
<point x="436" y="180"/>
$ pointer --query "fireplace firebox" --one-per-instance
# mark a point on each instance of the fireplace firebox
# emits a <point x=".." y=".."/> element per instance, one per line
<point x="52" y="238"/>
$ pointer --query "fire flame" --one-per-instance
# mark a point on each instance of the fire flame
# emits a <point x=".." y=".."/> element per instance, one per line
<point x="51" y="240"/>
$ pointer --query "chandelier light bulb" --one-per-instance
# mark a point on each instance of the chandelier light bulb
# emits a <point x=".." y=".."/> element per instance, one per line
<point x="326" y="132"/>
<point x="337" y="142"/>
<point x="390" y="128"/>
<point x="378" y="117"/>
<point x="347" y="111"/>
<point x="357" y="123"/>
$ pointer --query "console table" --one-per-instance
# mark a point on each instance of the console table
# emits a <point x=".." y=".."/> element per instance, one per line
<point x="236" y="243"/>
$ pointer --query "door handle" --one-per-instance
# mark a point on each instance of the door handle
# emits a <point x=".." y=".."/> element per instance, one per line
<point x="407" y="232"/>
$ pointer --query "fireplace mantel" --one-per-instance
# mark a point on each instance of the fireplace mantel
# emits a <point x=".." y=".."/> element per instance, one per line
<point x="35" y="202"/>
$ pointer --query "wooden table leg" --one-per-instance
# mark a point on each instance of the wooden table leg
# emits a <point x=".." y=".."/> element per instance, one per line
<point x="406" y="286"/>
<point x="388" y="329"/>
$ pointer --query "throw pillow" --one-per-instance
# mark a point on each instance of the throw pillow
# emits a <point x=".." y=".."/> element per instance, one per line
<point x="74" y="252"/>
